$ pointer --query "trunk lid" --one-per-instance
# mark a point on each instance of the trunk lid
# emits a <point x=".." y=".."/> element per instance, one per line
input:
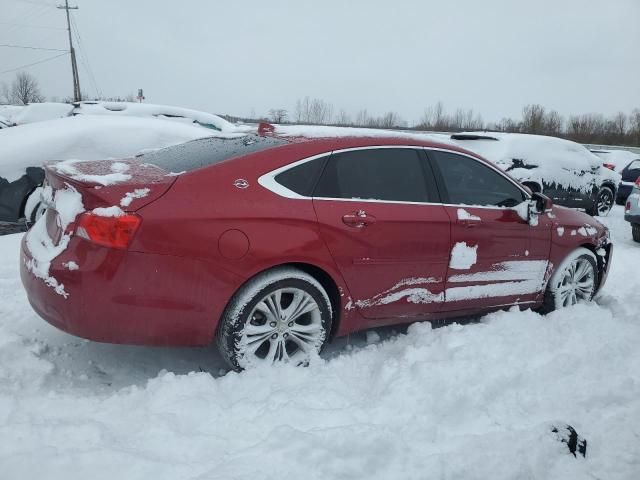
<point x="127" y="185"/>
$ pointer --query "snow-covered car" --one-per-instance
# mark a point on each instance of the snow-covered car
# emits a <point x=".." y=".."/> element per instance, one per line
<point x="564" y="170"/>
<point x="166" y="112"/>
<point x="25" y="148"/>
<point x="4" y="122"/>
<point x="632" y="211"/>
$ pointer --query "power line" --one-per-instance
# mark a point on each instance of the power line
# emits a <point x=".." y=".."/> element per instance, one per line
<point x="34" y="63"/>
<point x="33" y="48"/>
<point x="24" y="25"/>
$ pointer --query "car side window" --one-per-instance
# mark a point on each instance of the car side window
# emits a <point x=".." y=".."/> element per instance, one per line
<point x="469" y="182"/>
<point x="392" y="174"/>
<point x="302" y="178"/>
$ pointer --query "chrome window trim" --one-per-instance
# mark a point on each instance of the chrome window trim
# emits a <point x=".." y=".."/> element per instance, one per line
<point x="268" y="181"/>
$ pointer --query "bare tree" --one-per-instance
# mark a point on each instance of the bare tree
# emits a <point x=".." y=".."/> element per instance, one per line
<point x="533" y="119"/>
<point x="278" y="115"/>
<point x="343" y="118"/>
<point x="25" y="89"/>
<point x="4" y="93"/>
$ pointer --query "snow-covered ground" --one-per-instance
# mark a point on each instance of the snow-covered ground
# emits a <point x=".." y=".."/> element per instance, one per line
<point x="460" y="402"/>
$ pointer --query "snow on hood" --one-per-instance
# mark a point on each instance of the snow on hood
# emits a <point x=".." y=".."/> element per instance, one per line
<point x="40" y="112"/>
<point x="553" y="159"/>
<point x="151" y="110"/>
<point x="87" y="138"/>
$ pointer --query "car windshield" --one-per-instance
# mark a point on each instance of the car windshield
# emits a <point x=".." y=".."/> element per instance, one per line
<point x="207" y="151"/>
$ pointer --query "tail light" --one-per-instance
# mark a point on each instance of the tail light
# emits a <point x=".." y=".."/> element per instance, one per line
<point x="638" y="182"/>
<point x="610" y="166"/>
<point x="627" y="207"/>
<point x="113" y="232"/>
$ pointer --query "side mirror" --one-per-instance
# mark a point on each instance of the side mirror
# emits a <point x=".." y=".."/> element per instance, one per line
<point x="542" y="203"/>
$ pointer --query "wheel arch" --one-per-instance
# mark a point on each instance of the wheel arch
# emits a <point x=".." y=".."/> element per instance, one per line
<point x="320" y="274"/>
<point x="600" y="261"/>
<point x="611" y="185"/>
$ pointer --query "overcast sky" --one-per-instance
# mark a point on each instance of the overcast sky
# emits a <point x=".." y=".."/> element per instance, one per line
<point x="575" y="56"/>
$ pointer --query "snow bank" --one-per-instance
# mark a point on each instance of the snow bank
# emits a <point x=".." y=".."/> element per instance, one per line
<point x="87" y="138"/>
<point x="460" y="402"/>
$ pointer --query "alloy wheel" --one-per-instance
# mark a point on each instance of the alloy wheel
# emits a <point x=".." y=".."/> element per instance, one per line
<point x="284" y="326"/>
<point x="604" y="202"/>
<point x="577" y="284"/>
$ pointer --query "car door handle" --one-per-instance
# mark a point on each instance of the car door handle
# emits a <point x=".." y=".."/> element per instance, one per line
<point x="468" y="223"/>
<point x="359" y="219"/>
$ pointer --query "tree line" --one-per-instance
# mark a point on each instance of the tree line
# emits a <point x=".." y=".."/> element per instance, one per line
<point x="618" y="129"/>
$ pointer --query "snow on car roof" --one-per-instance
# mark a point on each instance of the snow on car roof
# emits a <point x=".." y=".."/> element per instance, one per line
<point x="40" y="112"/>
<point x="537" y="157"/>
<point x="319" y="131"/>
<point x="152" y="110"/>
<point x="87" y="138"/>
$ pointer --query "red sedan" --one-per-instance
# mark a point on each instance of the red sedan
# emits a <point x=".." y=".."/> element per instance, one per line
<point x="272" y="246"/>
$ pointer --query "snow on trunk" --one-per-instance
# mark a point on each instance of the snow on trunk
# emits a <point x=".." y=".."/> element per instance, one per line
<point x="67" y="203"/>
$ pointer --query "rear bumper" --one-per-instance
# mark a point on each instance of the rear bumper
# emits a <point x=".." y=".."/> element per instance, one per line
<point x="116" y="296"/>
<point x="623" y="192"/>
<point x="632" y="218"/>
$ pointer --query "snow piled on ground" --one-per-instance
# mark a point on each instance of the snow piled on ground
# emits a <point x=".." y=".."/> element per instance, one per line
<point x="87" y="138"/>
<point x="472" y="402"/>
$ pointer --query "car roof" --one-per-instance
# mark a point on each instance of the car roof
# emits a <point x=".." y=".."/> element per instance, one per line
<point x="329" y="143"/>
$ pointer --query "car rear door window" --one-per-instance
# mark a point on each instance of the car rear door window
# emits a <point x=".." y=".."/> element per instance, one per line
<point x="391" y="174"/>
<point x="302" y="178"/>
<point x="470" y="182"/>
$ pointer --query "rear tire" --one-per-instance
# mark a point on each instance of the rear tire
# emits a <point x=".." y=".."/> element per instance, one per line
<point x="603" y="202"/>
<point x="635" y="232"/>
<point x="282" y="315"/>
<point x="575" y="280"/>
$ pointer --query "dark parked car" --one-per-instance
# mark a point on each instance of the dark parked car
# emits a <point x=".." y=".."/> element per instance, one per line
<point x="630" y="175"/>
<point x="275" y="246"/>
<point x="563" y="170"/>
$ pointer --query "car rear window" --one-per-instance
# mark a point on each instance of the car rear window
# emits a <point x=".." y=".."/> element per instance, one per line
<point x="207" y="151"/>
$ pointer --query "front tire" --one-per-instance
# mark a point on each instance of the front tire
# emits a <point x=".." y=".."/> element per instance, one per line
<point x="603" y="202"/>
<point x="282" y="315"/>
<point x="574" y="281"/>
<point x="635" y="232"/>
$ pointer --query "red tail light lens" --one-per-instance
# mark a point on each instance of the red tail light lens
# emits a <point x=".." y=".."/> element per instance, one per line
<point x="638" y="182"/>
<point x="610" y="166"/>
<point x="113" y="232"/>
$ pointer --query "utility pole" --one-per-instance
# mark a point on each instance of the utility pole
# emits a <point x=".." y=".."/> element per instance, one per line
<point x="74" y="66"/>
